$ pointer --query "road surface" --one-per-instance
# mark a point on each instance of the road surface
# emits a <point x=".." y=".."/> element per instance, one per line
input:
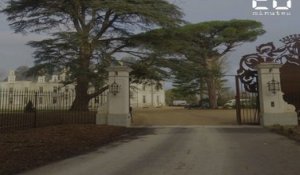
<point x="193" y="150"/>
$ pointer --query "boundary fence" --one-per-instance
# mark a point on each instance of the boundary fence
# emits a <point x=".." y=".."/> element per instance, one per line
<point x="29" y="109"/>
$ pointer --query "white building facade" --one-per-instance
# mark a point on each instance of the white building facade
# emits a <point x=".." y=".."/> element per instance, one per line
<point x="140" y="95"/>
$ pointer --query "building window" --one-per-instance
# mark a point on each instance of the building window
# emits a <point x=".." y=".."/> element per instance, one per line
<point x="41" y="100"/>
<point x="158" y="100"/>
<point x="11" y="90"/>
<point x="54" y="100"/>
<point x="55" y="89"/>
<point x="26" y="90"/>
<point x="10" y="100"/>
<point x="97" y="100"/>
<point x="41" y="79"/>
<point x="67" y="89"/>
<point x="157" y="88"/>
<point x="131" y="94"/>
<point x="144" y="87"/>
<point x="144" y="99"/>
<point x="41" y="89"/>
<point x="54" y="78"/>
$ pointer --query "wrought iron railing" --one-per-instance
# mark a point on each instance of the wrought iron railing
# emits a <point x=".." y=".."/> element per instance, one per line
<point x="29" y="109"/>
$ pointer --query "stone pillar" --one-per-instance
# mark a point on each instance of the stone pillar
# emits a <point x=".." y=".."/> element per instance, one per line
<point x="102" y="114"/>
<point x="273" y="109"/>
<point x="116" y="112"/>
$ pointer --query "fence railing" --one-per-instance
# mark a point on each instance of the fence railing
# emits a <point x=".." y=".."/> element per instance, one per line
<point x="28" y="109"/>
<point x="247" y="105"/>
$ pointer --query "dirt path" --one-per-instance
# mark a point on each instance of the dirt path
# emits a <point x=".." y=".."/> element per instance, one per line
<point x="181" y="116"/>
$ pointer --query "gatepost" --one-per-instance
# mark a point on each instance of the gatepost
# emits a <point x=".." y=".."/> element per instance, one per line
<point x="273" y="109"/>
<point x="116" y="112"/>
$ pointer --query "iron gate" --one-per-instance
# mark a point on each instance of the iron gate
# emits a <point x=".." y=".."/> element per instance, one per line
<point x="247" y="103"/>
<point x="288" y="56"/>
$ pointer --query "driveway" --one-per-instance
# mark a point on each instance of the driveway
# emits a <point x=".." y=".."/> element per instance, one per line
<point x="193" y="150"/>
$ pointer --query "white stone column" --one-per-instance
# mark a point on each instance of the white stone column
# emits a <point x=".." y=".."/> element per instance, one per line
<point x="102" y="114"/>
<point x="118" y="104"/>
<point x="273" y="109"/>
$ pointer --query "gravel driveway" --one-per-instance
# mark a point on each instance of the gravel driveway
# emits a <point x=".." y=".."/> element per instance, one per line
<point x="200" y="150"/>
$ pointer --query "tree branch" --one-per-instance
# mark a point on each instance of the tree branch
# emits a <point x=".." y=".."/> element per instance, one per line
<point x="98" y="92"/>
<point x="106" y="24"/>
<point x="229" y="47"/>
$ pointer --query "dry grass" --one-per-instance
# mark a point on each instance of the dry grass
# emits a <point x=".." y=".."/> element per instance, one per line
<point x="181" y="116"/>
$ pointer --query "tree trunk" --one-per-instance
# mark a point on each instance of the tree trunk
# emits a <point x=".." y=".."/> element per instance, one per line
<point x="81" y="102"/>
<point x="201" y="93"/>
<point x="212" y="95"/>
<point x="211" y="84"/>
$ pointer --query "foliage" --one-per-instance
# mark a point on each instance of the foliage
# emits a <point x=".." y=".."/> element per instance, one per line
<point x="2" y="74"/>
<point x="195" y="51"/>
<point x="85" y="35"/>
<point x="21" y="73"/>
<point x="146" y="71"/>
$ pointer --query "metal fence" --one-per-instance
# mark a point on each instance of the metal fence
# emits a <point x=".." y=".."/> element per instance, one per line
<point x="28" y="109"/>
<point x="247" y="105"/>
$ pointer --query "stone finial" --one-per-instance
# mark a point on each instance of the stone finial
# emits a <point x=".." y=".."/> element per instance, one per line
<point x="11" y="76"/>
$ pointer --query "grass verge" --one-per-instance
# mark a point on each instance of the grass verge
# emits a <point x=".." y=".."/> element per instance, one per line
<point x="27" y="149"/>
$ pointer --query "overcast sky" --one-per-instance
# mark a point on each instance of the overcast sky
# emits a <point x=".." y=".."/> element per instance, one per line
<point x="14" y="52"/>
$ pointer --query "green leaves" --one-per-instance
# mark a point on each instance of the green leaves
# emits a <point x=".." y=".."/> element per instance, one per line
<point x="90" y="30"/>
<point x="85" y="35"/>
<point x="81" y="15"/>
<point x="197" y="50"/>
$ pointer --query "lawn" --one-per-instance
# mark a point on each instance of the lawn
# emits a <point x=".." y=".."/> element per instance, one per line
<point x="181" y="116"/>
<point x="26" y="149"/>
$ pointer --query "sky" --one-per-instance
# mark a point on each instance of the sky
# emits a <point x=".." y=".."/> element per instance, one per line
<point x="14" y="52"/>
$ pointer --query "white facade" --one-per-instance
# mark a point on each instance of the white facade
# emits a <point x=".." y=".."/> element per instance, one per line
<point x="50" y="94"/>
<point x="140" y="95"/>
<point x="41" y="85"/>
